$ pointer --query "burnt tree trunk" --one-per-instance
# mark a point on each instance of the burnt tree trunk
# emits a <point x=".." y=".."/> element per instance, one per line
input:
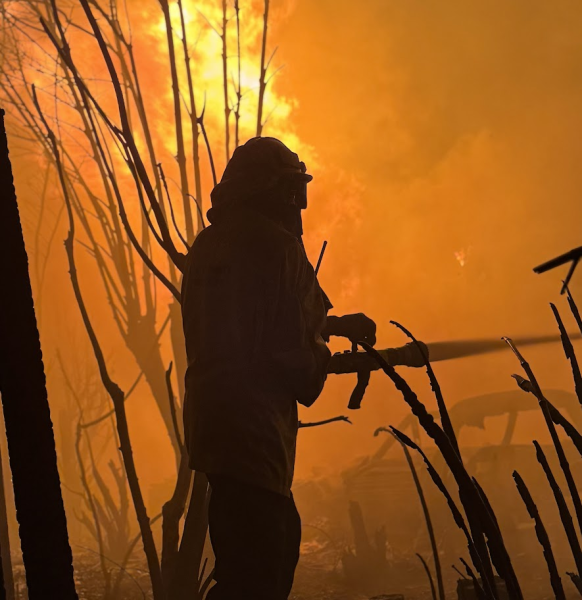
<point x="31" y="445"/>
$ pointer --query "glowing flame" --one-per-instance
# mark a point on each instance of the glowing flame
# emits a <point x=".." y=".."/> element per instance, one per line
<point x="144" y="26"/>
<point x="204" y="28"/>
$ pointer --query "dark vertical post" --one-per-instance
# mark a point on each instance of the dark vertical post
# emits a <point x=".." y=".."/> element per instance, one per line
<point x="6" y="561"/>
<point x="2" y="584"/>
<point x="31" y="445"/>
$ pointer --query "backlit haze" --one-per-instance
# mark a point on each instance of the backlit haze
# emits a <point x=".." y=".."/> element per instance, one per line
<point x="444" y="140"/>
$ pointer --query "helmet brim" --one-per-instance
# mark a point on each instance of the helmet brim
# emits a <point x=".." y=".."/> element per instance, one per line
<point x="306" y="177"/>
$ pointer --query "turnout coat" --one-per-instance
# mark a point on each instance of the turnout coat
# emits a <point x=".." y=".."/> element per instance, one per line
<point x="253" y="315"/>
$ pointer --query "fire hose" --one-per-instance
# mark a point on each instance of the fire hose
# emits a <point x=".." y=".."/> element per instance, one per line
<point x="413" y="355"/>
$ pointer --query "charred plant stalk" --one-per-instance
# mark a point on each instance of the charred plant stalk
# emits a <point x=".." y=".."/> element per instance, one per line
<point x="126" y="557"/>
<point x="479" y="526"/>
<point x="38" y="270"/>
<point x="480" y="520"/>
<point x="569" y="352"/>
<point x="204" y="582"/>
<point x="495" y="542"/>
<point x="542" y="535"/>
<point x="455" y="512"/>
<point x="172" y="512"/>
<point x="187" y="582"/>
<point x="170" y="205"/>
<point x="574" y="308"/>
<point x="108" y="217"/>
<point x="544" y="405"/>
<point x="131" y="85"/>
<point x="557" y="417"/>
<point x="563" y="509"/>
<point x="466" y="488"/>
<point x="479" y="591"/>
<point x="138" y="325"/>
<point x="193" y="114"/>
<point x="458" y="572"/>
<point x="125" y="136"/>
<point x="576" y="438"/>
<point x="238" y="84"/>
<point x="428" y="576"/>
<point x="428" y="521"/>
<point x="263" y="71"/>
<point x="178" y="346"/>
<point x="132" y="82"/>
<point x="172" y="401"/>
<point x="137" y="321"/>
<point x="91" y="504"/>
<point x="113" y="517"/>
<point x="208" y="146"/>
<point x="223" y="37"/>
<point x="576" y="580"/>
<point x="176" y="563"/>
<point x="181" y="153"/>
<point x="131" y="389"/>
<point x="436" y="388"/>
<point x="325" y="422"/>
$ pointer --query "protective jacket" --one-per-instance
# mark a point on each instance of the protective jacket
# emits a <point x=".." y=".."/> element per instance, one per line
<point x="253" y="315"/>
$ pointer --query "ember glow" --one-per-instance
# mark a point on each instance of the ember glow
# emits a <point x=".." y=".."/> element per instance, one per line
<point x="461" y="257"/>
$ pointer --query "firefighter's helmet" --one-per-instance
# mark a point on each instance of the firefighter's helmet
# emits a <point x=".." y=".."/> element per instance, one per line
<point x="259" y="166"/>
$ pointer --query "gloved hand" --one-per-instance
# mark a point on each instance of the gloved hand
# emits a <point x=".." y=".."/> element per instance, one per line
<point x="356" y="328"/>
